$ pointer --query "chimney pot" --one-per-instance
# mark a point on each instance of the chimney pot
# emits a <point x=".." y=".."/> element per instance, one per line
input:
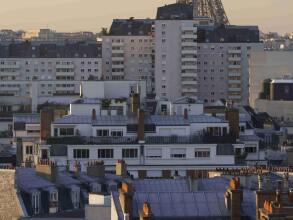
<point x="94" y="115"/>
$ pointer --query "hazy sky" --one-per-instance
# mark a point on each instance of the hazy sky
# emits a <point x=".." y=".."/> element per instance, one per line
<point x="74" y="15"/>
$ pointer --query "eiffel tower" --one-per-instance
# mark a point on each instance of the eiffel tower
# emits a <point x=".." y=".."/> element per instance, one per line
<point x="209" y="8"/>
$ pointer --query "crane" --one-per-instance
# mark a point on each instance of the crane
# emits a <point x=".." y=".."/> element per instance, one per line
<point x="209" y="8"/>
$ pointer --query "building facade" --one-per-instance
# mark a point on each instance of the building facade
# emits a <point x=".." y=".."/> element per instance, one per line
<point x="196" y="58"/>
<point x="128" y="51"/>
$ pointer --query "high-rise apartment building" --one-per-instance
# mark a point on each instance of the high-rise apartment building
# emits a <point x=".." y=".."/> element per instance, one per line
<point x="31" y="75"/>
<point x="198" y="59"/>
<point x="128" y="51"/>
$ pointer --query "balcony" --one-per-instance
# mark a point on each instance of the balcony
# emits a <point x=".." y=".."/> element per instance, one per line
<point x="189" y="82"/>
<point x="232" y="97"/>
<point x="188" y="59"/>
<point x="65" y="73"/>
<point x="189" y="67"/>
<point x="234" y="89"/>
<point x="189" y="36"/>
<point x="234" y="51"/>
<point x="234" y="66"/>
<point x="65" y="66"/>
<point x="188" y="74"/>
<point x="117" y="44"/>
<point x="234" y="74"/>
<point x="234" y="59"/>
<point x="117" y="51"/>
<point x="189" y="90"/>
<point x="117" y="58"/>
<point x="10" y="89"/>
<point x="188" y="28"/>
<point x="10" y="66"/>
<point x="118" y="66"/>
<point x="189" y="44"/>
<point x="117" y="73"/>
<point x="234" y="81"/>
<point x="80" y="140"/>
<point x="9" y="73"/>
<point x="188" y="51"/>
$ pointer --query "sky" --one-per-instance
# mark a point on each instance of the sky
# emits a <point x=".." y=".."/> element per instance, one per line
<point x="91" y="15"/>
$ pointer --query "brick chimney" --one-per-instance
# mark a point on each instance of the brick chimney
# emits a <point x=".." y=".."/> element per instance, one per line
<point x="121" y="168"/>
<point x="233" y="198"/>
<point x="135" y="103"/>
<point x="46" y="119"/>
<point x="126" y="199"/>
<point x="94" y="114"/>
<point x="140" y="127"/>
<point x="47" y="170"/>
<point x="96" y="168"/>
<point x="146" y="212"/>
<point x="232" y="116"/>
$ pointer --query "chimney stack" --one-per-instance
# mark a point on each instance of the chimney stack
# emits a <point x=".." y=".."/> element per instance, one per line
<point x="233" y="198"/>
<point x="186" y="114"/>
<point x="19" y="152"/>
<point x="135" y="103"/>
<point x="140" y="127"/>
<point x="96" y="168"/>
<point x="146" y="212"/>
<point x="94" y="115"/>
<point x="232" y="116"/>
<point x="121" y="168"/>
<point x="47" y="170"/>
<point x="126" y="198"/>
<point x="46" y="119"/>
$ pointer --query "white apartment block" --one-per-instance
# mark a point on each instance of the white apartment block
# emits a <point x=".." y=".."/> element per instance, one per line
<point x="195" y="58"/>
<point x="128" y="51"/>
<point x="42" y="74"/>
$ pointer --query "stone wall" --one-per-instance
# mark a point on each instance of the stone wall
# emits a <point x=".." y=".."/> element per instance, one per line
<point x="10" y="208"/>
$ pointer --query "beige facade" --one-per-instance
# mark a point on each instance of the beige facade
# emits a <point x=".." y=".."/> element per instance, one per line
<point x="268" y="64"/>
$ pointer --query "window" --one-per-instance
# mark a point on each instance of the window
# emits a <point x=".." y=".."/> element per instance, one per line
<point x="102" y="133"/>
<point x="178" y="153"/>
<point x="81" y="153"/>
<point x="202" y="153"/>
<point x="29" y="150"/>
<point x="129" y="153"/>
<point x="36" y="203"/>
<point x="66" y="131"/>
<point x="105" y="153"/>
<point x="116" y="133"/>
<point x="154" y="153"/>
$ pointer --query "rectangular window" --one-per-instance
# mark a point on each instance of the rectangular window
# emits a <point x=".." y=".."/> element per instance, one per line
<point x="102" y="133"/>
<point x="66" y="131"/>
<point x="129" y="153"/>
<point x="81" y="153"/>
<point x="154" y="153"/>
<point x="116" y="133"/>
<point x="202" y="153"/>
<point x="105" y="153"/>
<point x="178" y="153"/>
<point x="29" y="150"/>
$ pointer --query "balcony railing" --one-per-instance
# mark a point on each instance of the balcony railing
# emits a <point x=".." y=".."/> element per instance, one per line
<point x="193" y="139"/>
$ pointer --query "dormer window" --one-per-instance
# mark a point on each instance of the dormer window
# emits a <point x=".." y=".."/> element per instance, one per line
<point x="36" y="197"/>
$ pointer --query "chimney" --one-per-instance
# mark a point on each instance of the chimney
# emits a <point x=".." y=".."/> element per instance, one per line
<point x="96" y="168"/>
<point x="140" y="127"/>
<point x="19" y="152"/>
<point x="126" y="198"/>
<point x="47" y="170"/>
<point x="94" y="115"/>
<point x="260" y="182"/>
<point x="233" y="198"/>
<point x="185" y="114"/>
<point x="290" y="195"/>
<point x="135" y="103"/>
<point x="121" y="168"/>
<point x="146" y="212"/>
<point x="46" y="119"/>
<point x="232" y="116"/>
<point x="76" y="168"/>
<point x="286" y="181"/>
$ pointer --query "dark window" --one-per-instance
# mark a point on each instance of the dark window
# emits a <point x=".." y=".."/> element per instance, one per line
<point x="102" y="133"/>
<point x="66" y="131"/>
<point x="129" y="153"/>
<point x="81" y="153"/>
<point x="105" y="153"/>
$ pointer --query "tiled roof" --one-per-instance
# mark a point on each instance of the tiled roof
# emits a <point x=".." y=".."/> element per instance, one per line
<point x="160" y="185"/>
<point x="131" y="27"/>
